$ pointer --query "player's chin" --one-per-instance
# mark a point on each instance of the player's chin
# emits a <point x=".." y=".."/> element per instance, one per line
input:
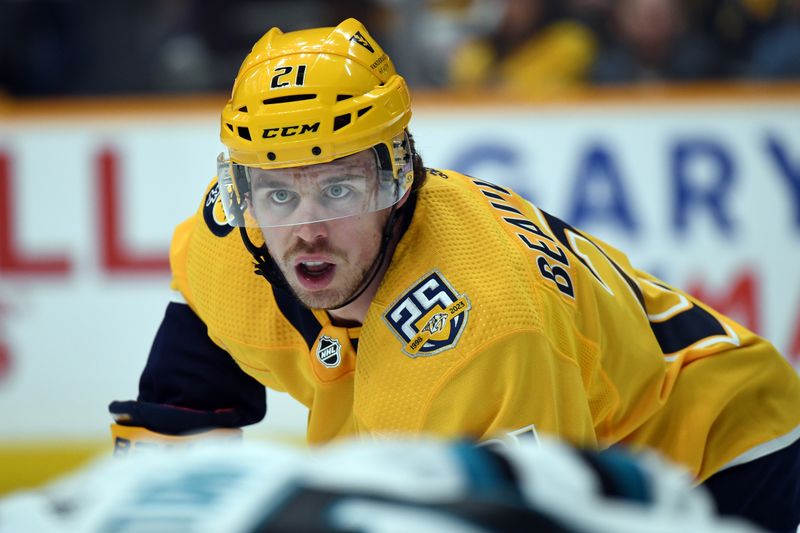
<point x="327" y="297"/>
<point x="321" y="299"/>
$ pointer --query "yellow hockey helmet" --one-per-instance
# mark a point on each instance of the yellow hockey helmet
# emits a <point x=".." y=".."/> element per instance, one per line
<point x="312" y="96"/>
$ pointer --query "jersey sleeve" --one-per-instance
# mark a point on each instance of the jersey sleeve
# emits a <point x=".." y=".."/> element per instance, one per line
<point x="187" y="369"/>
<point x="190" y="383"/>
<point x="671" y="372"/>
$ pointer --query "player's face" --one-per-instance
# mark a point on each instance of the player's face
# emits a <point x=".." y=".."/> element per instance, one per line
<point x="326" y="262"/>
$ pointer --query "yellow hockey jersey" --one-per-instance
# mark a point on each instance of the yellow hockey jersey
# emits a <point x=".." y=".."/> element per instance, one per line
<point x="495" y="317"/>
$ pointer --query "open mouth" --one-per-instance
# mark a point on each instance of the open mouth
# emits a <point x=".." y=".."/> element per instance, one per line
<point x="315" y="274"/>
<point x="314" y="268"/>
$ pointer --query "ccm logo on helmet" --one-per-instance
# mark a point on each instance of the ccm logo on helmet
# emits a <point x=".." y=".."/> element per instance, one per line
<point x="289" y="131"/>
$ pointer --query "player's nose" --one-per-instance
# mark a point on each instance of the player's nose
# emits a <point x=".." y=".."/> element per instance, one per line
<point x="311" y="231"/>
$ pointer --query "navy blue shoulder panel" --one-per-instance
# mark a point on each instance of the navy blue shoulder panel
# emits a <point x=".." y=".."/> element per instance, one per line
<point x="298" y="316"/>
<point x="186" y="369"/>
<point x="765" y="491"/>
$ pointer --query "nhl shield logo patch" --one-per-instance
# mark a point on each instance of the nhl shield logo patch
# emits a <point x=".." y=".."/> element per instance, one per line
<point x="430" y="317"/>
<point x="329" y="351"/>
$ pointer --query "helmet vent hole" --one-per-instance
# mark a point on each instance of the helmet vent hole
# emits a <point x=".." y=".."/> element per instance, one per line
<point x="341" y="121"/>
<point x="271" y="156"/>
<point x="289" y="98"/>
<point x="316" y="150"/>
<point x="363" y="110"/>
<point x="229" y="126"/>
<point x="244" y="133"/>
<point x="243" y="109"/>
<point x="340" y="97"/>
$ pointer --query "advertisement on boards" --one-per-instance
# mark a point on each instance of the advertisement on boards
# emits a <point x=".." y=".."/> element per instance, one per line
<point x="704" y="196"/>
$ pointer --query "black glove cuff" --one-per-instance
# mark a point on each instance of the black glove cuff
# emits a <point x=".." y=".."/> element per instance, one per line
<point x="172" y="419"/>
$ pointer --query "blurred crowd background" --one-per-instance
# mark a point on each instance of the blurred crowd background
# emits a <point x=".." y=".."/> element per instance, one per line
<point x="96" y="47"/>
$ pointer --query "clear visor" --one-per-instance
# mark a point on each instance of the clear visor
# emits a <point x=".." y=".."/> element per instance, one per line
<point x="269" y="198"/>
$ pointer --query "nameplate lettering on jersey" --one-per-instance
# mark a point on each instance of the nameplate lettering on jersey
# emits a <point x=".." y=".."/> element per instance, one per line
<point x="551" y="260"/>
<point x="430" y="317"/>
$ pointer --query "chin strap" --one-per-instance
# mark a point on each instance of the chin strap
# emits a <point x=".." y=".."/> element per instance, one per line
<point x="376" y="265"/>
<point x="264" y="264"/>
<point x="403" y="217"/>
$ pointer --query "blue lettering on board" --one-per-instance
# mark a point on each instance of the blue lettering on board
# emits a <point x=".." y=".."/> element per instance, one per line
<point x="598" y="192"/>
<point x="690" y="196"/>
<point x="789" y="170"/>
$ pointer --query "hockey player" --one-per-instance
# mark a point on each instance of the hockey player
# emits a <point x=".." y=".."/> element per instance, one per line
<point x="390" y="298"/>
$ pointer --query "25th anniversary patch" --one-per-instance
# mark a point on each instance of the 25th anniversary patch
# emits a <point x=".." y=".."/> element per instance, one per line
<point x="430" y="317"/>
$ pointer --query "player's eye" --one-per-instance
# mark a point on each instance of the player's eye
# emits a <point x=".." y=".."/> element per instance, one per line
<point x="281" y="196"/>
<point x="337" y="191"/>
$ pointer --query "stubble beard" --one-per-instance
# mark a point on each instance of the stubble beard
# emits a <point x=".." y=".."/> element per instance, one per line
<point x="331" y="298"/>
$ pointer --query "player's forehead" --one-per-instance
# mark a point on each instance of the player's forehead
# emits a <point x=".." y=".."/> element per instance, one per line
<point x="360" y="164"/>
